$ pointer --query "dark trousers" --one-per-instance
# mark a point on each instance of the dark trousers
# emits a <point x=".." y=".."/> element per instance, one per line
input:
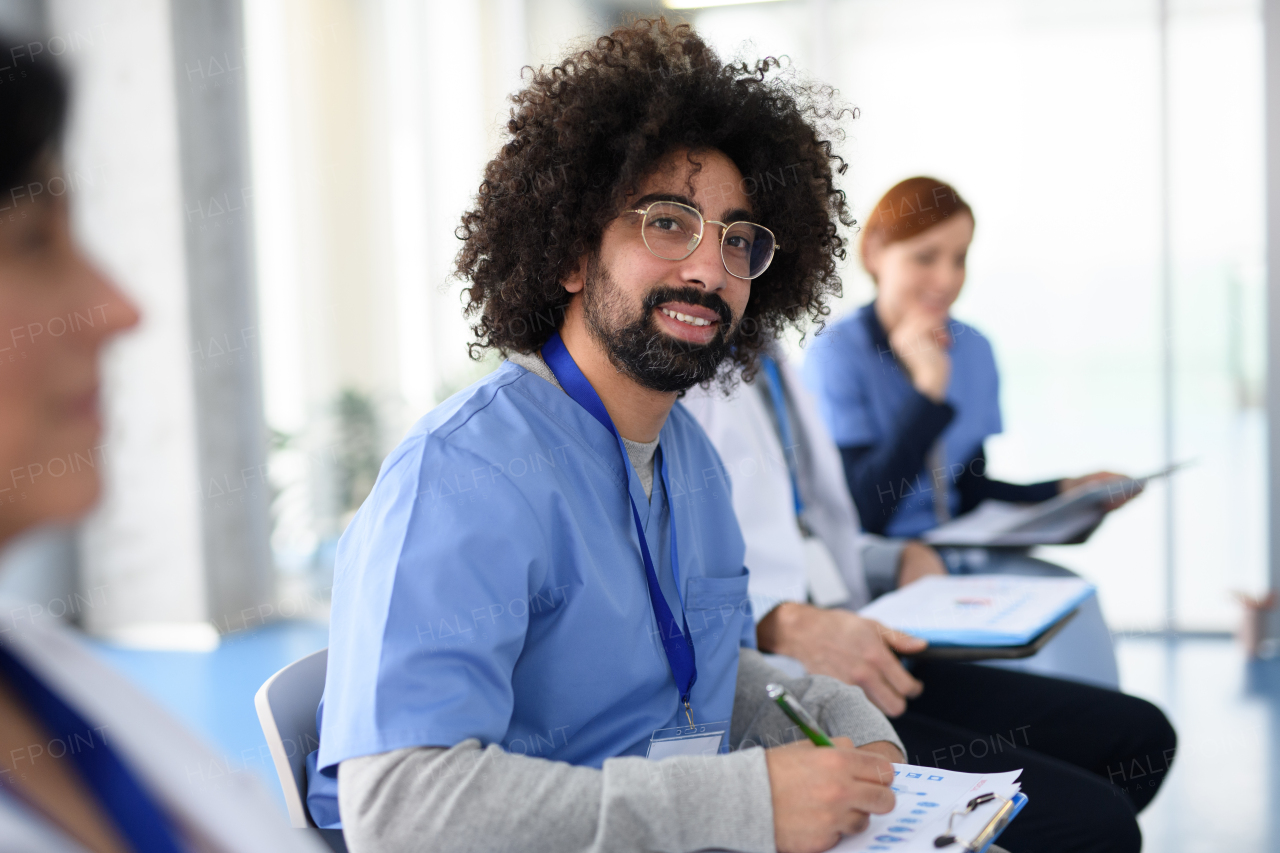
<point x="1091" y="758"/>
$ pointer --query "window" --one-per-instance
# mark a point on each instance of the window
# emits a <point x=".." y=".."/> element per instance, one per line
<point x="1047" y="117"/>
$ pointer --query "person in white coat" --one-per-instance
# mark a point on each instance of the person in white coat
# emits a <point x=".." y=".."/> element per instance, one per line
<point x="811" y="568"/>
<point x="805" y="544"/>
<point x="87" y="763"/>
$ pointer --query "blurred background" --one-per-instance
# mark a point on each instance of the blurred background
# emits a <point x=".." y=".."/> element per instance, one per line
<point x="277" y="182"/>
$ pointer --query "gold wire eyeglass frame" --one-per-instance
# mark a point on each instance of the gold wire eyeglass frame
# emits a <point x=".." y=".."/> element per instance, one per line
<point x="724" y="230"/>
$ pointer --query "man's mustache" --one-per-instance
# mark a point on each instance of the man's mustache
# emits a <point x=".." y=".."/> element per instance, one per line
<point x="690" y="296"/>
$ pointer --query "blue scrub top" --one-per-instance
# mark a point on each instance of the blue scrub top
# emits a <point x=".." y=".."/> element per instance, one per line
<point x="862" y="389"/>
<point x="492" y="587"/>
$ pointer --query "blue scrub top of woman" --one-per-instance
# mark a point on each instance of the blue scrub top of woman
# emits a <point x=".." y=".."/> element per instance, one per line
<point x="862" y="391"/>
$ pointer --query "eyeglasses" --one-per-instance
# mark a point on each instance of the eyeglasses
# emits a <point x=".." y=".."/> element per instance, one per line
<point x="672" y="231"/>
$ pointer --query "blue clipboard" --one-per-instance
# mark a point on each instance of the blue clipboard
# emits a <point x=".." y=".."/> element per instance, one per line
<point x="997" y="825"/>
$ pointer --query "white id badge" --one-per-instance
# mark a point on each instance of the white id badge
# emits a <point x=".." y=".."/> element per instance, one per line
<point x="826" y="586"/>
<point x="704" y="739"/>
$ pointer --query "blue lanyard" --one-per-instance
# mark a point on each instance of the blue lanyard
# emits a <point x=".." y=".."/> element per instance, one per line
<point x="675" y="642"/>
<point x="773" y="380"/>
<point x="138" y="817"/>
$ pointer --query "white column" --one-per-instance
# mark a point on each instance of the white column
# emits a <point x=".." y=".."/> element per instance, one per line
<point x="212" y="112"/>
<point x="142" y="547"/>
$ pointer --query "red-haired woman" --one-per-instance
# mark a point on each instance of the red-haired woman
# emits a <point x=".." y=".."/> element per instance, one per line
<point x="905" y="389"/>
<point x="910" y="395"/>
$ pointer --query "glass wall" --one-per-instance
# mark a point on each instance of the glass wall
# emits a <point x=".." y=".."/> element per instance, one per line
<point x="1047" y="117"/>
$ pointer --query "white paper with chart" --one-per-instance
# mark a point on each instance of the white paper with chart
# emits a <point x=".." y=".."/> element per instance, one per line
<point x="925" y="799"/>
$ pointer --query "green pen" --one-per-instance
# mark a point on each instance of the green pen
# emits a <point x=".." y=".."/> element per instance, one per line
<point x="802" y="718"/>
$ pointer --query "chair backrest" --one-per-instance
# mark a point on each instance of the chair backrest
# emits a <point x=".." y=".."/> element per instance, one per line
<point x="286" y="706"/>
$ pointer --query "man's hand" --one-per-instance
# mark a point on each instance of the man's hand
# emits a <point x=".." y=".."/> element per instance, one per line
<point x="846" y="647"/>
<point x="1117" y="497"/>
<point x="918" y="560"/>
<point x="922" y="347"/>
<point x="820" y="794"/>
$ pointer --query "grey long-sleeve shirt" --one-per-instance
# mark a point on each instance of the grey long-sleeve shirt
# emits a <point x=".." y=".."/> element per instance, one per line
<point x="468" y="799"/>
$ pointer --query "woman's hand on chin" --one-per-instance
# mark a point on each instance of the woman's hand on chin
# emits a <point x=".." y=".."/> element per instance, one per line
<point x="921" y="344"/>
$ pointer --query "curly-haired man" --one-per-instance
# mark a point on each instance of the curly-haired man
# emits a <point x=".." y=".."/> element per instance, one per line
<point x="546" y="586"/>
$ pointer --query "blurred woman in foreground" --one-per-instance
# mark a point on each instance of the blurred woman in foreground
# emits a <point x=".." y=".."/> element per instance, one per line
<point x="86" y="762"/>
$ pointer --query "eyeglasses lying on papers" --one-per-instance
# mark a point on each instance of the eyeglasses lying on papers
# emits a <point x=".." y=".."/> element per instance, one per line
<point x="988" y="833"/>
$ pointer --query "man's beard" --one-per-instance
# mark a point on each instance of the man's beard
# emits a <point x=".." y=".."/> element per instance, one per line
<point x="638" y="347"/>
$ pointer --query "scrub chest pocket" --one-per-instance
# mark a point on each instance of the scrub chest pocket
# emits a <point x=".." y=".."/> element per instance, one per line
<point x="716" y="610"/>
